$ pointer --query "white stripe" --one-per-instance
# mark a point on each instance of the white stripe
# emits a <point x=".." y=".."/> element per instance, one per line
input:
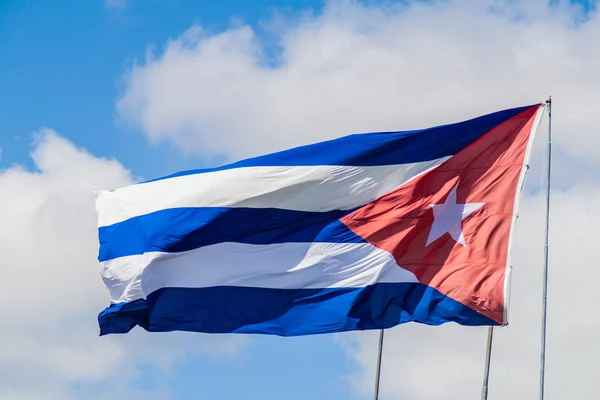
<point x="278" y="266"/>
<point x="304" y="188"/>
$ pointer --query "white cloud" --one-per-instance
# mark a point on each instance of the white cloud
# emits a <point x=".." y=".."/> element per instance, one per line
<point x="51" y="289"/>
<point x="356" y="68"/>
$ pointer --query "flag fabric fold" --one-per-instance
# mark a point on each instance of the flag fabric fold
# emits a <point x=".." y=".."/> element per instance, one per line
<point x="367" y="231"/>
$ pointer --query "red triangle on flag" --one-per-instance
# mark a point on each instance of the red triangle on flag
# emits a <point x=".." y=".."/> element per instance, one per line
<point x="451" y="225"/>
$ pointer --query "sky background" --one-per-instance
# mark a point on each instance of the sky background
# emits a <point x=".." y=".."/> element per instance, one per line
<point x="100" y="94"/>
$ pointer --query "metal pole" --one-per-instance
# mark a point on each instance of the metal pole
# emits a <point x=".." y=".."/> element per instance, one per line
<point x="378" y="370"/>
<point x="545" y="276"/>
<point x="488" y="359"/>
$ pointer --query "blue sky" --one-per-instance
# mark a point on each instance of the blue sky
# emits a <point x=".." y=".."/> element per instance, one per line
<point x="64" y="66"/>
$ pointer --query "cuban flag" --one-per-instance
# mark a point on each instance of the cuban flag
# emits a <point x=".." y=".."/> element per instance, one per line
<point x="367" y="231"/>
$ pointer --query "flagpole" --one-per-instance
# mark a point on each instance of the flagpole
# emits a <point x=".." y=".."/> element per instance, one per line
<point x="545" y="274"/>
<point x="488" y="353"/>
<point x="488" y="359"/>
<point x="378" y="370"/>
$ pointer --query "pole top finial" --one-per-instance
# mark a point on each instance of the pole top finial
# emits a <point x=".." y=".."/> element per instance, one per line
<point x="549" y="101"/>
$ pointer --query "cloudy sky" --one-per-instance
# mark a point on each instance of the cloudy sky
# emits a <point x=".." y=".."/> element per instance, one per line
<point x="99" y="94"/>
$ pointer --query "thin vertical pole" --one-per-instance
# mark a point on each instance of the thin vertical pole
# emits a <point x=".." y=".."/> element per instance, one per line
<point x="488" y="359"/>
<point x="378" y="370"/>
<point x="545" y="276"/>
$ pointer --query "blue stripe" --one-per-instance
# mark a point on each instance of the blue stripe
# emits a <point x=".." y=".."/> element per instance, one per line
<point x="382" y="148"/>
<point x="181" y="229"/>
<point x="286" y="312"/>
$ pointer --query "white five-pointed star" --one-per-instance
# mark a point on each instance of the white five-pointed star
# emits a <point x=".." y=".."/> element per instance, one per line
<point x="448" y="217"/>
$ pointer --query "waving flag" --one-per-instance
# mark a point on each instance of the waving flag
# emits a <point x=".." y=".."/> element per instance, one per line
<point x="363" y="232"/>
